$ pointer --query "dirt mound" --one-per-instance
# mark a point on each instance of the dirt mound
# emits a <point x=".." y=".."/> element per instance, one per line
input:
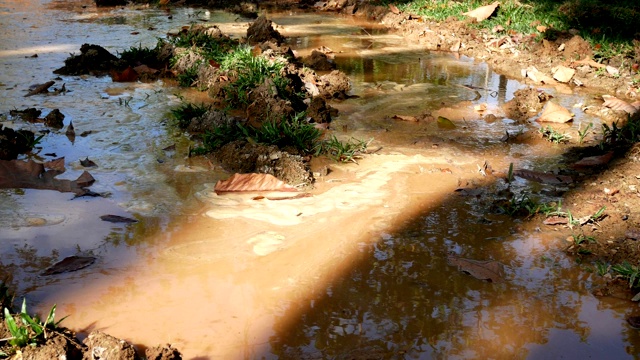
<point x="93" y="59"/>
<point x="262" y="30"/>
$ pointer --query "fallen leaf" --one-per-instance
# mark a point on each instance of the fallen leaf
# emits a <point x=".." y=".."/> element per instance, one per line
<point x="594" y="161"/>
<point x="541" y="177"/>
<point x="563" y="74"/>
<point x="71" y="131"/>
<point x="87" y="163"/>
<point x="118" y="219"/>
<point x="483" y="12"/>
<point x="85" y="179"/>
<point x="394" y="9"/>
<point x="614" y="103"/>
<point x="135" y="32"/>
<point x="590" y="62"/>
<point x="611" y="70"/>
<point x="252" y="182"/>
<point x="537" y="76"/>
<point x="555" y="113"/>
<point x="144" y="69"/>
<point x="497" y="29"/>
<point x="555" y="220"/>
<point x="444" y="123"/>
<point x="32" y="175"/>
<point x="483" y="270"/>
<point x="42" y="88"/>
<point x="55" y="164"/>
<point x="405" y="118"/>
<point x="127" y="75"/>
<point x="69" y="264"/>
<point x="541" y="28"/>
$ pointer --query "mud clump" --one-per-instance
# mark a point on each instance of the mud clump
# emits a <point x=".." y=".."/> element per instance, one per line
<point x="54" y="119"/>
<point x="243" y="157"/>
<point x="14" y="143"/>
<point x="261" y="31"/>
<point x="93" y="59"/>
<point x="319" y="61"/>
<point x="525" y="104"/>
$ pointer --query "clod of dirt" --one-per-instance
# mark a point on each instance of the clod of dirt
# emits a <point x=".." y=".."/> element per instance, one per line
<point x="103" y="346"/>
<point x="28" y="114"/>
<point x="59" y="345"/>
<point x="13" y="143"/>
<point x="261" y="31"/>
<point x="166" y="352"/>
<point x="264" y="101"/>
<point x="319" y="61"/>
<point x="211" y="120"/>
<point x="336" y="85"/>
<point x="243" y="157"/>
<point x="319" y="111"/>
<point x="93" y="59"/>
<point x="54" y="119"/>
<point x="526" y="103"/>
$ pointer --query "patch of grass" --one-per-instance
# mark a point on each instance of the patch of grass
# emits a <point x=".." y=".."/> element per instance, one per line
<point x="212" y="48"/>
<point x="602" y="268"/>
<point x="249" y="72"/>
<point x="184" y="113"/>
<point x="553" y="135"/>
<point x="626" y="135"/>
<point x="343" y="151"/>
<point x="32" y="330"/>
<point x="292" y="132"/>
<point x="629" y="272"/>
<point x="582" y="133"/>
<point x="188" y="77"/>
<point x="140" y="55"/>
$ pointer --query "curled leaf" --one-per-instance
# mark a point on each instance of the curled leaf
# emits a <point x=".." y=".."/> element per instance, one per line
<point x="483" y="12"/>
<point x="444" y="123"/>
<point x="555" y="113"/>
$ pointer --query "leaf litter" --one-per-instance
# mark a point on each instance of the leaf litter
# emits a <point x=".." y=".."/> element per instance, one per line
<point x="483" y="270"/>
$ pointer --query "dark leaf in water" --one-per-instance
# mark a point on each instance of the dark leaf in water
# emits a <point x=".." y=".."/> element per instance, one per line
<point x="118" y="219"/>
<point x="87" y="163"/>
<point x="55" y="164"/>
<point x="483" y="270"/>
<point x="41" y="88"/>
<point x="29" y="174"/>
<point x="85" y="179"/>
<point x="70" y="130"/>
<point x="545" y="178"/>
<point x="634" y="321"/>
<point x="69" y="264"/>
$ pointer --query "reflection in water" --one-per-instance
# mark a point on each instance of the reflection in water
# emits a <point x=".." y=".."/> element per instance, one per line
<point x="357" y="271"/>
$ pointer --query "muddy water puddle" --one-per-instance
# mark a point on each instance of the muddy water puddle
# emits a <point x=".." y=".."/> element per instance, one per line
<point x="359" y="270"/>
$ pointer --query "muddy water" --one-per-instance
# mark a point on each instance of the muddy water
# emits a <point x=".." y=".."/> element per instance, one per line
<point x="357" y="271"/>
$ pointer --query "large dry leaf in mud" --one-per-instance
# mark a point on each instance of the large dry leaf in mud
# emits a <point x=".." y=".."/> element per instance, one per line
<point x="563" y="74"/>
<point x="541" y="177"/>
<point x="537" y="76"/>
<point x="32" y="175"/>
<point x="252" y="183"/>
<point x="555" y="113"/>
<point x="614" y="103"/>
<point x="69" y="264"/>
<point x="593" y="161"/>
<point x="483" y="12"/>
<point x="484" y="270"/>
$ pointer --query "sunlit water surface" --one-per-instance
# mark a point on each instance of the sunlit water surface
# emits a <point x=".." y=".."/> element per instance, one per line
<point x="357" y="271"/>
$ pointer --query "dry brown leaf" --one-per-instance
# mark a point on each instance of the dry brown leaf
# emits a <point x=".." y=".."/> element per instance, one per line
<point x="555" y="220"/>
<point x="127" y="75"/>
<point x="144" y="69"/>
<point x="69" y="264"/>
<point x="563" y="74"/>
<point x="594" y="160"/>
<point x="394" y="9"/>
<point x="55" y="164"/>
<point x="480" y="108"/>
<point x="541" y="177"/>
<point x="42" y="88"/>
<point x="483" y="12"/>
<point x="252" y="182"/>
<point x="484" y="270"/>
<point x="537" y="76"/>
<point x="555" y="113"/>
<point x="541" y="28"/>
<point x="614" y="103"/>
<point x="405" y="118"/>
<point x="588" y="61"/>
<point x="32" y="175"/>
<point x="497" y="29"/>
